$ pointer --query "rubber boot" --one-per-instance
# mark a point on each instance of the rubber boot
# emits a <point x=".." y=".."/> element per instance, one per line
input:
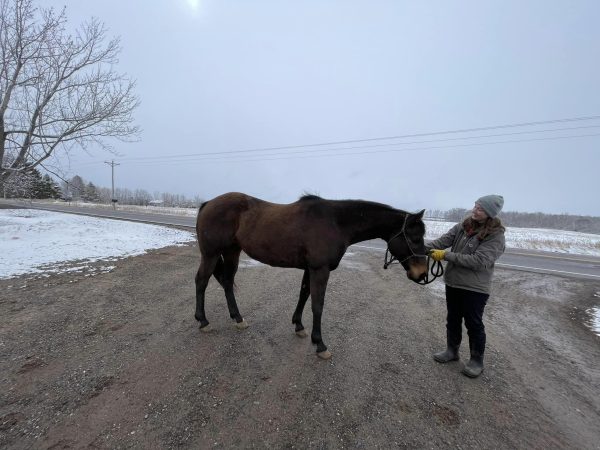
<point x="475" y="366"/>
<point x="453" y="338"/>
<point x="450" y="354"/>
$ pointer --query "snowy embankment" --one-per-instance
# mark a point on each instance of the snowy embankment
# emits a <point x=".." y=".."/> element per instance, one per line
<point x="38" y="241"/>
<point x="535" y="239"/>
<point x="43" y="241"/>
<point x="516" y="238"/>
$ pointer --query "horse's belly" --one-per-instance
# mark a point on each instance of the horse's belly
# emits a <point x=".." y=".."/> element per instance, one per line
<point x="276" y="259"/>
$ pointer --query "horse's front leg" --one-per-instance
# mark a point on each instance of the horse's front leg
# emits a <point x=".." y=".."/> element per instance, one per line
<point x="318" y="284"/>
<point x="304" y="293"/>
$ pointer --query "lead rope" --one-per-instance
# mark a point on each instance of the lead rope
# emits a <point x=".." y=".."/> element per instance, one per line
<point x="436" y="269"/>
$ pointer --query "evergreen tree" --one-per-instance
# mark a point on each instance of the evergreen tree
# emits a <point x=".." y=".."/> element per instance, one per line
<point x="90" y="193"/>
<point x="49" y="188"/>
<point x="21" y="185"/>
<point x="37" y="184"/>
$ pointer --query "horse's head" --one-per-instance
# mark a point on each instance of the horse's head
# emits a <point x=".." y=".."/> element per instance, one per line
<point x="407" y="245"/>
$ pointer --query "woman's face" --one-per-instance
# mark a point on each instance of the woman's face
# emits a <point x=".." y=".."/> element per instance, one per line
<point x="478" y="214"/>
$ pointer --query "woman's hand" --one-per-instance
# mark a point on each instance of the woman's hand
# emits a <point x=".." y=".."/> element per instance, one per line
<point x="437" y="255"/>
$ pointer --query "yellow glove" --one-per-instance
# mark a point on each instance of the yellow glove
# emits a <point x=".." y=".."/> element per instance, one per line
<point x="437" y="255"/>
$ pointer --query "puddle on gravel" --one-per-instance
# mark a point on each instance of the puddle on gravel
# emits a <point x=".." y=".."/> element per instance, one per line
<point x="347" y="261"/>
<point x="594" y="319"/>
<point x="249" y="262"/>
<point x="350" y="262"/>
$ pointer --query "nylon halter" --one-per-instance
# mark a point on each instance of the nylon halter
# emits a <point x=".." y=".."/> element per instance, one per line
<point x="436" y="269"/>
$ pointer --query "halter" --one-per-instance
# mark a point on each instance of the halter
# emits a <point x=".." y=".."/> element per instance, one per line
<point x="436" y="269"/>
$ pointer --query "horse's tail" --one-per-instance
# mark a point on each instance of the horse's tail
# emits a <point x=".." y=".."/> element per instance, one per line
<point x="198" y="216"/>
<point x="219" y="271"/>
<point x="202" y="206"/>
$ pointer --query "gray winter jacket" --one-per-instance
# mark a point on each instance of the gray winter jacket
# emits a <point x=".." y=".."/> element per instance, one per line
<point x="470" y="261"/>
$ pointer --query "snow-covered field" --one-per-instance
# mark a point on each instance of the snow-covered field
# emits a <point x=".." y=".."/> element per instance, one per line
<point x="35" y="241"/>
<point x="43" y="242"/>
<point x="516" y="238"/>
<point x="535" y="239"/>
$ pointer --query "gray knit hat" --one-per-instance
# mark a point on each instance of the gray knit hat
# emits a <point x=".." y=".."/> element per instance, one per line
<point x="491" y="204"/>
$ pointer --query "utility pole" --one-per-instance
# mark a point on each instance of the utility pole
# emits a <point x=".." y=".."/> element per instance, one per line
<point x="112" y="164"/>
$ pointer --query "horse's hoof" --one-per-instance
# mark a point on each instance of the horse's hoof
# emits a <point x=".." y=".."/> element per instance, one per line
<point x="241" y="325"/>
<point x="324" y="355"/>
<point x="206" y="328"/>
<point x="302" y="333"/>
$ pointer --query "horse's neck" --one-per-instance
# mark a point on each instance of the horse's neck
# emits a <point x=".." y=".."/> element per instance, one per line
<point x="365" y="221"/>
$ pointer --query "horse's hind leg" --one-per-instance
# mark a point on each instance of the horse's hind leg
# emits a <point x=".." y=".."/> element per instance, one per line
<point x="231" y="260"/>
<point x="304" y="293"/>
<point x="207" y="266"/>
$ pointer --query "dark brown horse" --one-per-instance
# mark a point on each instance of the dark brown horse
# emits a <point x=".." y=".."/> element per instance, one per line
<point x="311" y="234"/>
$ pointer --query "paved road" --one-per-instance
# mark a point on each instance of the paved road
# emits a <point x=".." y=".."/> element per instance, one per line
<point x="578" y="266"/>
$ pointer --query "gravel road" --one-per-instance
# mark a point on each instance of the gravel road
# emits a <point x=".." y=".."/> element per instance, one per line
<point x="115" y="360"/>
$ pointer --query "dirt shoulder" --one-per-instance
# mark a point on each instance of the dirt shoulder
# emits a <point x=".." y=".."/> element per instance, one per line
<point x="115" y="359"/>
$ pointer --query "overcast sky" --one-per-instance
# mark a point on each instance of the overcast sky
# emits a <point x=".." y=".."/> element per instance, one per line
<point x="218" y="76"/>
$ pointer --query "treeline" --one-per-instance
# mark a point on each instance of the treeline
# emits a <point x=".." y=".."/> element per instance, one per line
<point x="31" y="184"/>
<point x="568" y="222"/>
<point x="78" y="189"/>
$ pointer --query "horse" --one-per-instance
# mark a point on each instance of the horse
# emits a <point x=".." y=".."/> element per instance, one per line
<point x="311" y="234"/>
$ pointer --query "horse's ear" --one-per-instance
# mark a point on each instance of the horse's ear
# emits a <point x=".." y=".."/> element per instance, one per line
<point x="420" y="214"/>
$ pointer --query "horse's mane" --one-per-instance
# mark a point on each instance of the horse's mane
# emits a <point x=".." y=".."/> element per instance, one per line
<point x="362" y="204"/>
<point x="309" y="197"/>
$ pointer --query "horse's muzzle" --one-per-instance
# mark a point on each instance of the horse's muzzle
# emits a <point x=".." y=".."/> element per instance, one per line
<point x="417" y="272"/>
<point x="417" y="278"/>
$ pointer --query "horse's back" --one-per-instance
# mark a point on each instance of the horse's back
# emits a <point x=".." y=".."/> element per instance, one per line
<point x="290" y="235"/>
<point x="235" y="201"/>
<point x="276" y="234"/>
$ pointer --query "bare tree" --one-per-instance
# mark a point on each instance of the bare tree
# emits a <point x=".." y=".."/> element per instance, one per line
<point x="57" y="91"/>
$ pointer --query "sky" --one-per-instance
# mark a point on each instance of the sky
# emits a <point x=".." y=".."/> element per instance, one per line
<point x="218" y="76"/>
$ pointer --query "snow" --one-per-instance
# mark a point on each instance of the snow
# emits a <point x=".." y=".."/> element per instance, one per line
<point x="44" y="242"/>
<point x="517" y="238"/>
<point x="150" y="209"/>
<point x="35" y="241"/>
<point x="594" y="322"/>
<point x="534" y="239"/>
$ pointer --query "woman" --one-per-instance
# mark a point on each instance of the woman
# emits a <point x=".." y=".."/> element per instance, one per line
<point x="475" y="245"/>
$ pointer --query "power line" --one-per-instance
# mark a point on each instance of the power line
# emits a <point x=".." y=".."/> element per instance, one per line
<point x="226" y="155"/>
<point x="232" y="154"/>
<point x="285" y="157"/>
<point x="322" y="144"/>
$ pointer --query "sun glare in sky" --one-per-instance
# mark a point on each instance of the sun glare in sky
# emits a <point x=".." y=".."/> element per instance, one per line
<point x="194" y="5"/>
